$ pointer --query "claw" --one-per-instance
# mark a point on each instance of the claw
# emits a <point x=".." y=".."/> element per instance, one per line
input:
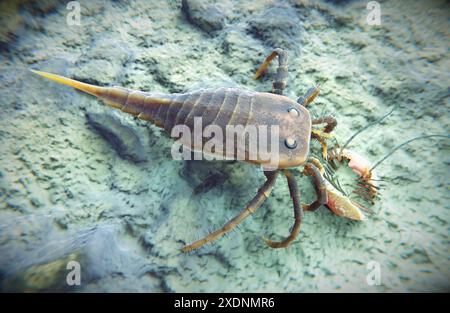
<point x="338" y="203"/>
<point x="360" y="166"/>
<point x="343" y="206"/>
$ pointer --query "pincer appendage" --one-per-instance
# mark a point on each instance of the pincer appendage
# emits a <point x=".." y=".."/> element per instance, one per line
<point x="341" y="205"/>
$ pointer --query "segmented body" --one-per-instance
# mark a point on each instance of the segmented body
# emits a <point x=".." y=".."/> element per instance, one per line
<point x="221" y="107"/>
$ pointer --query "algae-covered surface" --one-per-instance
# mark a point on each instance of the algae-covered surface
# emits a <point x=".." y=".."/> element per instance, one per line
<point x="82" y="182"/>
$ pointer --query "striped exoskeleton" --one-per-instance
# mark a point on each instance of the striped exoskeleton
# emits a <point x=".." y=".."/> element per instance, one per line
<point x="232" y="107"/>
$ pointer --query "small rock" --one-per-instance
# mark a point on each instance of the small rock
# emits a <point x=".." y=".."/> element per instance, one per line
<point x="45" y="277"/>
<point x="203" y="15"/>
<point x="122" y="138"/>
<point x="204" y="175"/>
<point x="36" y="202"/>
<point x="278" y="26"/>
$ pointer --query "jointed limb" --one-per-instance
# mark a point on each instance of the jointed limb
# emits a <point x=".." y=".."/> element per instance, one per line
<point x="329" y="120"/>
<point x="309" y="96"/>
<point x="279" y="82"/>
<point x="323" y="135"/>
<point x="261" y="196"/>
<point x="317" y="164"/>
<point x="322" y="139"/>
<point x="298" y="213"/>
<point x="319" y="184"/>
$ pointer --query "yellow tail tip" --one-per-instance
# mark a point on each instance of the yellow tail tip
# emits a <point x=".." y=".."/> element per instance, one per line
<point x="90" y="89"/>
<point x="53" y="77"/>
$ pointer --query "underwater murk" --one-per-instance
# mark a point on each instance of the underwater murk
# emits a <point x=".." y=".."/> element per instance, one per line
<point x="97" y="197"/>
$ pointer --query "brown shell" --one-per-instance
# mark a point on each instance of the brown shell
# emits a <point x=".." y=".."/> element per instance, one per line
<point x="223" y="107"/>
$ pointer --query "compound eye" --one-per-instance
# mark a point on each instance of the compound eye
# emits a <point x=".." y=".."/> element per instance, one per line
<point x="293" y="112"/>
<point x="290" y="143"/>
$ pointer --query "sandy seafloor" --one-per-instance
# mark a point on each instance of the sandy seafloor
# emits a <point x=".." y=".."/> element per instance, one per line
<point x="81" y="181"/>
